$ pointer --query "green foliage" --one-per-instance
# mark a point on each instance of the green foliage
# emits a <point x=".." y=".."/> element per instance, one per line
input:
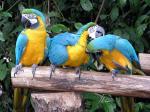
<point x="78" y="25"/>
<point x="96" y="102"/>
<point x="58" y="28"/>
<point x="86" y="5"/>
<point x="127" y="18"/>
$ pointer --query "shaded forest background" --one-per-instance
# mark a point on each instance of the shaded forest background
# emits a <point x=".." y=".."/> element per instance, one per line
<point x="127" y="18"/>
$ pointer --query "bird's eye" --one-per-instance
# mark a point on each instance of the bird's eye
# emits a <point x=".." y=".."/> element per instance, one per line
<point x="98" y="31"/>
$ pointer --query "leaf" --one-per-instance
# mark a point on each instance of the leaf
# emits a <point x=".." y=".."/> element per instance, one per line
<point x="78" y="25"/>
<point x="109" y="105"/>
<point x="114" y="13"/>
<point x="57" y="28"/>
<point x="1" y="36"/>
<point x="135" y="4"/>
<point x="6" y="14"/>
<point x="141" y="19"/>
<point x="122" y="3"/>
<point x="86" y="5"/>
<point x="139" y="106"/>
<point x="3" y="71"/>
<point x="103" y="16"/>
<point x="140" y="29"/>
<point x="92" y="101"/>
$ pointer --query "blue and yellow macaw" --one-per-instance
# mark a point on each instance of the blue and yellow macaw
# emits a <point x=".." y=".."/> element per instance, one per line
<point x="30" y="47"/>
<point x="68" y="49"/>
<point x="118" y="55"/>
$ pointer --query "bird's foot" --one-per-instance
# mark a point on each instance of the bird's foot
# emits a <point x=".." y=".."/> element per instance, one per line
<point x="34" y="66"/>
<point x="114" y="73"/>
<point x="78" y="72"/>
<point x="17" y="69"/>
<point x="52" y="70"/>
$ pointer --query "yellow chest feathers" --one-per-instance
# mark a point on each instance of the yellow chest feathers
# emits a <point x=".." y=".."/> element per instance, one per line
<point x="76" y="54"/>
<point x="34" y="51"/>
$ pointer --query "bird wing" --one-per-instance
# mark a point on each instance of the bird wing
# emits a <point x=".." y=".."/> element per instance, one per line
<point x="65" y="39"/>
<point x="20" y="46"/>
<point x="128" y="51"/>
<point x="106" y="42"/>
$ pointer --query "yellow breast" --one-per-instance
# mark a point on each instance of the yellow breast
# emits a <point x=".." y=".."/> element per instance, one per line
<point x="108" y="57"/>
<point x="76" y="53"/>
<point x="34" y="51"/>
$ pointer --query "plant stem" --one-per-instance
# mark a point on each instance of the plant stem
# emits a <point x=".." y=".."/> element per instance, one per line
<point x="13" y="5"/>
<point x="58" y="9"/>
<point x="100" y="9"/>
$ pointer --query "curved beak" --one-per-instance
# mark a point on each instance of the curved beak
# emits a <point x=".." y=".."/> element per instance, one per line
<point x="25" y="22"/>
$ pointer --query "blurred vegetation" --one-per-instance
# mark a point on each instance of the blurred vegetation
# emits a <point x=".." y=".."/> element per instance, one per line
<point x="127" y="18"/>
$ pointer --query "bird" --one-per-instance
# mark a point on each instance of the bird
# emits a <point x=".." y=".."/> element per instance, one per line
<point x="31" y="42"/>
<point x="30" y="48"/>
<point x="68" y="49"/>
<point x="119" y="56"/>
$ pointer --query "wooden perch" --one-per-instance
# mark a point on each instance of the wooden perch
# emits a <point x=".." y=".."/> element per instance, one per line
<point x="66" y="80"/>
<point x="145" y="62"/>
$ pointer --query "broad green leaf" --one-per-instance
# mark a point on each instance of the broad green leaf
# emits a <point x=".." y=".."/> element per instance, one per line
<point x="140" y="29"/>
<point x="58" y="28"/>
<point x="53" y="14"/>
<point x="139" y="106"/>
<point x="135" y="4"/>
<point x="141" y="19"/>
<point x="122" y="3"/>
<point x="103" y="16"/>
<point x="6" y="14"/>
<point x="93" y="101"/>
<point x="109" y="105"/>
<point x="78" y="25"/>
<point x="3" y="71"/>
<point x="86" y="5"/>
<point x="1" y="36"/>
<point x="114" y="13"/>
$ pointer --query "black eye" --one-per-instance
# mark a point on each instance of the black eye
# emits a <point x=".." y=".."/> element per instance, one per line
<point x="98" y="31"/>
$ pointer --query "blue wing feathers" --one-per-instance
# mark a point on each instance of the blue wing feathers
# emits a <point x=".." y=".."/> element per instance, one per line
<point x="58" y="54"/>
<point x="65" y="39"/>
<point x="126" y="49"/>
<point x="109" y="42"/>
<point x="106" y="42"/>
<point x="20" y="46"/>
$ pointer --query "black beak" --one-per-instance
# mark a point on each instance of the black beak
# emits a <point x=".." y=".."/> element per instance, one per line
<point x="26" y="23"/>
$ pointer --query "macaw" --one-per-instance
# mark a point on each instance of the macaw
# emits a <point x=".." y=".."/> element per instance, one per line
<point x="119" y="56"/>
<point x="30" y="46"/>
<point x="68" y="49"/>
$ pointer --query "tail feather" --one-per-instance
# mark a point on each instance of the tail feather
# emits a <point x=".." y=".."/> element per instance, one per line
<point x="17" y="98"/>
<point x="127" y="104"/>
<point x="138" y="71"/>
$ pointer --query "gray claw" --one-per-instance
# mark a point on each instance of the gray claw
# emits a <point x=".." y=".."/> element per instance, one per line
<point x="114" y="74"/>
<point x="52" y="70"/>
<point x="78" y="72"/>
<point x="34" y="66"/>
<point x="17" y="69"/>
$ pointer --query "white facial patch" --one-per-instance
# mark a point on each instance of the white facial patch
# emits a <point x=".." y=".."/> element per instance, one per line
<point x="96" y="31"/>
<point x="31" y="17"/>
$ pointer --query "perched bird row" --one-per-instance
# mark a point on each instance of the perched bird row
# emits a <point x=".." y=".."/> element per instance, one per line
<point x="88" y="45"/>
